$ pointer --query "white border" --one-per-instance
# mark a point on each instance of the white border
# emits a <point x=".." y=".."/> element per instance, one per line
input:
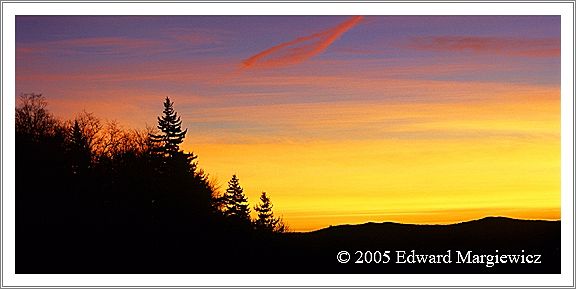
<point x="8" y="91"/>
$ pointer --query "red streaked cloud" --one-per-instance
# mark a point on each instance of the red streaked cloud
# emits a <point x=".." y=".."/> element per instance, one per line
<point x="300" y="49"/>
<point x="539" y="47"/>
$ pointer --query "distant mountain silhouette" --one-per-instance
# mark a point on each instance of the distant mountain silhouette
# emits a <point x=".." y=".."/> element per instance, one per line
<point x="483" y="236"/>
<point x="488" y="227"/>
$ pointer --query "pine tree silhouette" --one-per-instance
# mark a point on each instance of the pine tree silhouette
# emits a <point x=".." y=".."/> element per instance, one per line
<point x="79" y="150"/>
<point x="180" y="192"/>
<point x="266" y="222"/>
<point x="166" y="144"/>
<point x="236" y="203"/>
<point x="171" y="135"/>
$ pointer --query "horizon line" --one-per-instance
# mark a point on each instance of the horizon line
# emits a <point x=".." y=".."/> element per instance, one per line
<point x="429" y="224"/>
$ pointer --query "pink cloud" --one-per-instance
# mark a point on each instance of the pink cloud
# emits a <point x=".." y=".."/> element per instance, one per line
<point x="539" y="47"/>
<point x="92" y="45"/>
<point x="197" y="37"/>
<point x="27" y="50"/>
<point x="201" y="71"/>
<point x="300" y="49"/>
<point x="122" y="45"/>
<point x="105" y="41"/>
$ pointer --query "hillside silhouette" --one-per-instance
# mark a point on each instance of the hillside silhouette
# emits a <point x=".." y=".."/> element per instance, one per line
<point x="95" y="198"/>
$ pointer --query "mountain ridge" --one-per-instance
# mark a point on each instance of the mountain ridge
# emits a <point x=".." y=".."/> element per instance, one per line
<point x="469" y="222"/>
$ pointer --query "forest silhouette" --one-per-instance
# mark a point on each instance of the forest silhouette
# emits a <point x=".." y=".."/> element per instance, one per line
<point x="92" y="197"/>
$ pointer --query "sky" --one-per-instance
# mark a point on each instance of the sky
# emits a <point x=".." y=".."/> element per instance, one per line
<point x="340" y="119"/>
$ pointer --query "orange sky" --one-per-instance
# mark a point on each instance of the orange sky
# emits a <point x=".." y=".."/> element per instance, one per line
<point x="453" y="163"/>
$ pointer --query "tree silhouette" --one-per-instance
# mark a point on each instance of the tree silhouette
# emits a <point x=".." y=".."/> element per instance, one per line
<point x="33" y="120"/>
<point x="166" y="144"/>
<point x="93" y="184"/>
<point x="266" y="222"/>
<point x="40" y="155"/>
<point x="171" y="135"/>
<point x="236" y="204"/>
<point x="79" y="150"/>
<point x="181" y="193"/>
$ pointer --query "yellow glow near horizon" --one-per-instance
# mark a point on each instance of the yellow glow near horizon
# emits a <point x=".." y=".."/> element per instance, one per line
<point x="498" y="159"/>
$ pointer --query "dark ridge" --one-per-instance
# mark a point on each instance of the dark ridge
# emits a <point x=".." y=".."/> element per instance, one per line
<point x="482" y="236"/>
<point x="486" y="221"/>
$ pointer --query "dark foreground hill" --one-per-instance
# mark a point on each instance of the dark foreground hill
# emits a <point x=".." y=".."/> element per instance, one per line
<point x="469" y="247"/>
<point x="495" y="236"/>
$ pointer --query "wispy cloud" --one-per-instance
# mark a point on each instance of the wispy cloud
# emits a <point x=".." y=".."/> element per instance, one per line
<point x="537" y="47"/>
<point x="300" y="49"/>
<point x="197" y="36"/>
<point x="173" y="40"/>
<point x="90" y="45"/>
<point x="106" y="42"/>
<point x="353" y="120"/>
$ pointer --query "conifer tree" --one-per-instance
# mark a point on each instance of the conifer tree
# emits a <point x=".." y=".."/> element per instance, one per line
<point x="180" y="192"/>
<point x="171" y="135"/>
<point x="266" y="222"/>
<point x="79" y="150"/>
<point x="166" y="144"/>
<point x="235" y="202"/>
